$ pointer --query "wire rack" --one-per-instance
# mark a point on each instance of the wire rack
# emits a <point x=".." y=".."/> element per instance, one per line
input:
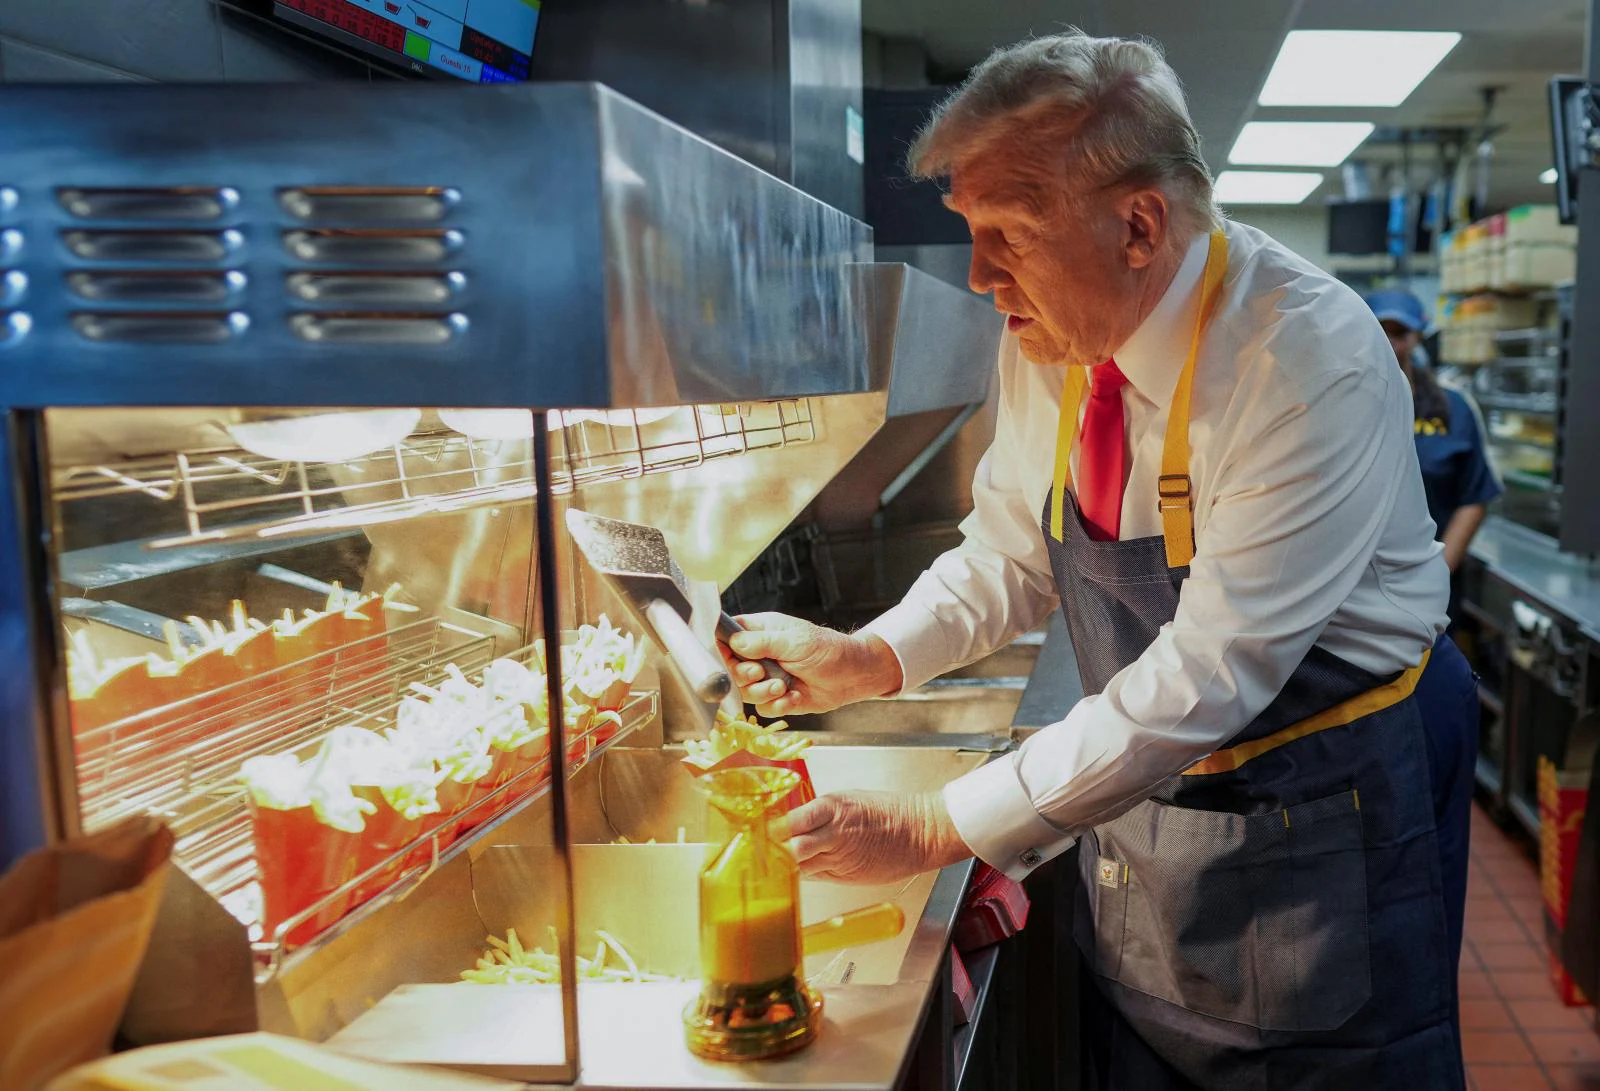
<point x="231" y="493"/>
<point x="181" y="762"/>
<point x="395" y="876"/>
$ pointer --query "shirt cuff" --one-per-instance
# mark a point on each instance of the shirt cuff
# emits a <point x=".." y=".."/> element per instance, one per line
<point x="996" y="818"/>
<point x="914" y="636"/>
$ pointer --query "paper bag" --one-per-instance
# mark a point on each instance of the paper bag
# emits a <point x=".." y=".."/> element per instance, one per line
<point x="74" y="922"/>
<point x="259" y="1062"/>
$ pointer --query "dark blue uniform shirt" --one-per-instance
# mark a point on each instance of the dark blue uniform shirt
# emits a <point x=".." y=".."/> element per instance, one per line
<point x="1455" y="467"/>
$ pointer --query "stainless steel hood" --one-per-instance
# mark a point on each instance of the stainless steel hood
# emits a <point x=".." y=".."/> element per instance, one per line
<point x="544" y="246"/>
<point x="934" y="346"/>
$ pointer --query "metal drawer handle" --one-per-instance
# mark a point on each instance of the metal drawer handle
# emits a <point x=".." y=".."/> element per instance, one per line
<point x="153" y="245"/>
<point x="375" y="204"/>
<point x="133" y="286"/>
<point x="195" y="328"/>
<point x="175" y="203"/>
<point x="394" y="289"/>
<point x="385" y="247"/>
<point x="378" y="329"/>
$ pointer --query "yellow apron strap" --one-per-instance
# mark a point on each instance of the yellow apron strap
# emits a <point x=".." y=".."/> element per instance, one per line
<point x="1174" y="488"/>
<point x="1175" y="500"/>
<point x="1345" y="712"/>
<point x="1066" y="434"/>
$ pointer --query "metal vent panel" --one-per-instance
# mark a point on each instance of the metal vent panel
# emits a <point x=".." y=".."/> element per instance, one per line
<point x="559" y="246"/>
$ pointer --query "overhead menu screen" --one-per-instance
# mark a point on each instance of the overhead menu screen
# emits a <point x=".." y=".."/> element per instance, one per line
<point x="484" y="41"/>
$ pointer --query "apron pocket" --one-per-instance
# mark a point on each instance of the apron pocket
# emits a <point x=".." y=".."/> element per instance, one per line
<point x="1256" y="919"/>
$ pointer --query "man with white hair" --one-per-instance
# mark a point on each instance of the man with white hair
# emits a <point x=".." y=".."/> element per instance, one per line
<point x="1204" y="454"/>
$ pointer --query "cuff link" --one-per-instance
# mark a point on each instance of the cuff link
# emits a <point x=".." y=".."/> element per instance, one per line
<point x="1031" y="859"/>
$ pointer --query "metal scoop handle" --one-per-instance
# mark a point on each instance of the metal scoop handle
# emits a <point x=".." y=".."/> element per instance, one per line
<point x="727" y="626"/>
<point x="704" y="671"/>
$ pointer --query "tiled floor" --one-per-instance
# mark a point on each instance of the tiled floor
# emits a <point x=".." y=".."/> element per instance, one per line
<point x="1516" y="1035"/>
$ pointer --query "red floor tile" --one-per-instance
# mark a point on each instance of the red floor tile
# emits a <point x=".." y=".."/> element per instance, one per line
<point x="1523" y="984"/>
<point x="1584" y="1077"/>
<point x="1507" y="956"/>
<point x="1566" y="1047"/>
<point x="1550" y="1015"/>
<point x="1508" y="1077"/>
<point x="1485" y="1014"/>
<point x="1506" y="931"/>
<point x="1527" y="910"/>
<point x="1474" y="984"/>
<point x="1482" y="912"/>
<point x="1495" y="1047"/>
<point x="1494" y="858"/>
<point x="1517" y="882"/>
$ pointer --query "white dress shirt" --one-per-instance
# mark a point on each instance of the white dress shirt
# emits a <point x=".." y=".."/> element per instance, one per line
<point x="1311" y="528"/>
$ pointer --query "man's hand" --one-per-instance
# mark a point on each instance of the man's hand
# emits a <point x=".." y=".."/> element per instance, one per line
<point x="873" y="837"/>
<point x="829" y="668"/>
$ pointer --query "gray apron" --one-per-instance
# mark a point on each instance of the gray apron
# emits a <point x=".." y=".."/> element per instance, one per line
<point x="1278" y="925"/>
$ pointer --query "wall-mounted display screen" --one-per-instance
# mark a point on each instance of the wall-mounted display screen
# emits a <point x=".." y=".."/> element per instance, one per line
<point x="484" y="41"/>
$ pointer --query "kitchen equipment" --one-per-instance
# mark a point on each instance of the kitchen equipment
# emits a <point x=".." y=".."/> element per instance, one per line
<point x="727" y="625"/>
<point x="754" y="1003"/>
<point x="869" y="924"/>
<point x="691" y="350"/>
<point x="637" y="558"/>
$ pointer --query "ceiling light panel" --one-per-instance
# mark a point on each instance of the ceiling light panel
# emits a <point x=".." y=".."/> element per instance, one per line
<point x="1353" y="67"/>
<point x="1265" y="187"/>
<point x="1298" y="143"/>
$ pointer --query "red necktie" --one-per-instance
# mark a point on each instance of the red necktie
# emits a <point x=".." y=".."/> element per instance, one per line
<point x="1102" y="454"/>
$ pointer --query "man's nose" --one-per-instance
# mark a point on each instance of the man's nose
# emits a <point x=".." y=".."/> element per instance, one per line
<point x="983" y="275"/>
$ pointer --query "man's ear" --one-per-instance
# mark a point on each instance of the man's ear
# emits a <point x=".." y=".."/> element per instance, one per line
<point x="1145" y="217"/>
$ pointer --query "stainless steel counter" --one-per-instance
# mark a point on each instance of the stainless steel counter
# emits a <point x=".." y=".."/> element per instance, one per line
<point x="878" y="1000"/>
<point x="1530" y="562"/>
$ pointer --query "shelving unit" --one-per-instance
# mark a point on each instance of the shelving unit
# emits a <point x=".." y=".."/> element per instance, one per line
<point x="1520" y="389"/>
<point x="1504" y="330"/>
<point x="233" y="494"/>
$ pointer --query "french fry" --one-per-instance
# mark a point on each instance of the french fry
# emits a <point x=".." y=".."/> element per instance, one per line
<point x="507" y="962"/>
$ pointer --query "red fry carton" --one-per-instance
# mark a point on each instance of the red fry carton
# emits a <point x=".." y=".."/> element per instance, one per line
<point x="996" y="907"/>
<point x="1563" y="798"/>
<point x="803" y="792"/>
<point x="966" y="993"/>
<point x="301" y="861"/>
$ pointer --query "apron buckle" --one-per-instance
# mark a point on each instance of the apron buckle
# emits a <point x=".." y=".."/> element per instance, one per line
<point x="1174" y="491"/>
